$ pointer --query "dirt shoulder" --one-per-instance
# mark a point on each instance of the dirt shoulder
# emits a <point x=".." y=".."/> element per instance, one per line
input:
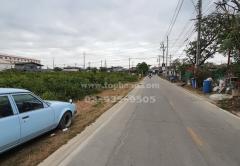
<point x="89" y="110"/>
<point x="230" y="105"/>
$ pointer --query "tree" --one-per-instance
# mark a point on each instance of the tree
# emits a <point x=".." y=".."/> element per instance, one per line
<point x="176" y="64"/>
<point x="142" y="68"/>
<point x="57" y="69"/>
<point x="230" y="35"/>
<point x="182" y="67"/>
<point x="210" y="29"/>
<point x="103" y="69"/>
<point x="228" y="6"/>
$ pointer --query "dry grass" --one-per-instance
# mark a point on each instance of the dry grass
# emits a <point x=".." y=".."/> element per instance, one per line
<point x="35" y="151"/>
<point x="231" y="105"/>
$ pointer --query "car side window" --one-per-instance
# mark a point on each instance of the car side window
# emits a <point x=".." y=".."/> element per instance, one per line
<point x="5" y="107"/>
<point x="27" y="103"/>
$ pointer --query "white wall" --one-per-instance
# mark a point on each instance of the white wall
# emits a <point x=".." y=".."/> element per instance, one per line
<point x="5" y="66"/>
<point x="71" y="70"/>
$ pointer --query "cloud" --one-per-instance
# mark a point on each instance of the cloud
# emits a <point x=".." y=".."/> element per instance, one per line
<point x="104" y="29"/>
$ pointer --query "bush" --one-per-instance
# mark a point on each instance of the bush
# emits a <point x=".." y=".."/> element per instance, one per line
<point x="62" y="85"/>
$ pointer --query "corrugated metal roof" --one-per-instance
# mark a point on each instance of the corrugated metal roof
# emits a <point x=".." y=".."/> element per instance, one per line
<point x="4" y="62"/>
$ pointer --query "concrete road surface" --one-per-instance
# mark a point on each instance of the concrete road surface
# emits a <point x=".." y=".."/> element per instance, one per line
<point x="178" y="129"/>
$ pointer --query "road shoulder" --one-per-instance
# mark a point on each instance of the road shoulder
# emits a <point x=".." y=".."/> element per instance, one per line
<point x="201" y="97"/>
<point x="81" y="140"/>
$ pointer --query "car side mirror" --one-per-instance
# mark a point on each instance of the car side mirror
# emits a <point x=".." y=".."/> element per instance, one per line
<point x="70" y="101"/>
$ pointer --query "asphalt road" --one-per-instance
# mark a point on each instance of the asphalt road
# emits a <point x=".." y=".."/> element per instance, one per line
<point x="179" y="129"/>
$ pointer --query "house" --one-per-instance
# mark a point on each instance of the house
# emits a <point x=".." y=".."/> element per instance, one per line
<point x="117" y="69"/>
<point x="19" y="63"/>
<point x="5" y="65"/>
<point x="28" y="66"/>
<point x="17" y="59"/>
<point x="72" y="69"/>
<point x="156" y="70"/>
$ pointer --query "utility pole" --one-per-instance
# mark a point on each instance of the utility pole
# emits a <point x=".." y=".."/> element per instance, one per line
<point x="170" y="60"/>
<point x="199" y="18"/>
<point x="53" y="63"/>
<point x="101" y="63"/>
<point x="159" y="61"/>
<point x="167" y="53"/>
<point x="129" y="63"/>
<point x="105" y="63"/>
<point x="84" y="60"/>
<point x="163" y="49"/>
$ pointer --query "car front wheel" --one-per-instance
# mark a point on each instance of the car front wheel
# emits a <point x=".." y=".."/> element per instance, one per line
<point x="66" y="121"/>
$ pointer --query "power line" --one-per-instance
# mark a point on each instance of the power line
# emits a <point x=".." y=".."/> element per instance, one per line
<point x="174" y="18"/>
<point x="199" y="18"/>
<point x="190" y="31"/>
<point x="210" y="6"/>
<point x="170" y="28"/>
<point x="186" y="28"/>
<point x="185" y="41"/>
<point x="195" y="7"/>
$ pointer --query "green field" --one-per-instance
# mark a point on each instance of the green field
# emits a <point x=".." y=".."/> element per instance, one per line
<point x="62" y="85"/>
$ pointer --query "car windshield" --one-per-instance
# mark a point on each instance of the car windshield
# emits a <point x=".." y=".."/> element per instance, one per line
<point x="26" y="103"/>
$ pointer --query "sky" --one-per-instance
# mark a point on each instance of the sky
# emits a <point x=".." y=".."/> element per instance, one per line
<point x="104" y="30"/>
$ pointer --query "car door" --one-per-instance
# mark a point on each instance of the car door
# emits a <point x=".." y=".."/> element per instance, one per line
<point x="9" y="124"/>
<point x="35" y="116"/>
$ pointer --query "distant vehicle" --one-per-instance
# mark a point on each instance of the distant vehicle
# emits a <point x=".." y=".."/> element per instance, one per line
<point x="24" y="116"/>
<point x="150" y="75"/>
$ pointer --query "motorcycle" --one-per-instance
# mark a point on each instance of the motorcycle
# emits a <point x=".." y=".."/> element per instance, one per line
<point x="150" y="76"/>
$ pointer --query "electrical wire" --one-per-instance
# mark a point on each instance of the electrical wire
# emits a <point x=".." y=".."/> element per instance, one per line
<point x="174" y="18"/>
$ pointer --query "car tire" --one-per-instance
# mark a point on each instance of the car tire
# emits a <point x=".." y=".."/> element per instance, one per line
<point x="66" y="121"/>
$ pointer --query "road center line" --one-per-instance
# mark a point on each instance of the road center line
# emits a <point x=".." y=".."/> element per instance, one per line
<point x="195" y="137"/>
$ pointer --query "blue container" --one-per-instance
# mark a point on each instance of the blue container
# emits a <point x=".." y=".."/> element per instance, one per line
<point x="207" y="86"/>
<point x="194" y="85"/>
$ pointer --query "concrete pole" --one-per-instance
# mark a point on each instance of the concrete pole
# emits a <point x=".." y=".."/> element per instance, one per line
<point x="198" y="55"/>
<point x="167" y="53"/>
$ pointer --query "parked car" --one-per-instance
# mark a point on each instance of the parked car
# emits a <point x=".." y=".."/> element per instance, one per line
<point x="24" y="116"/>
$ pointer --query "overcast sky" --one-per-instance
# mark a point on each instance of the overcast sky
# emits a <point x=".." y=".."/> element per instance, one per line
<point x="104" y="29"/>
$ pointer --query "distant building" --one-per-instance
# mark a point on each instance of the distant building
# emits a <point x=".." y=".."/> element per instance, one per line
<point x="133" y="70"/>
<point x="28" y="66"/>
<point x="117" y="69"/>
<point x="17" y="59"/>
<point x="5" y="65"/>
<point x="156" y="70"/>
<point x="10" y="61"/>
<point x="72" y="69"/>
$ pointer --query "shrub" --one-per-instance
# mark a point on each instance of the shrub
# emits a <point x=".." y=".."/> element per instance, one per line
<point x="62" y="85"/>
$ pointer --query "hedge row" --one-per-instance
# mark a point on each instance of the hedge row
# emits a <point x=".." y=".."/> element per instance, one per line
<point x="62" y="85"/>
